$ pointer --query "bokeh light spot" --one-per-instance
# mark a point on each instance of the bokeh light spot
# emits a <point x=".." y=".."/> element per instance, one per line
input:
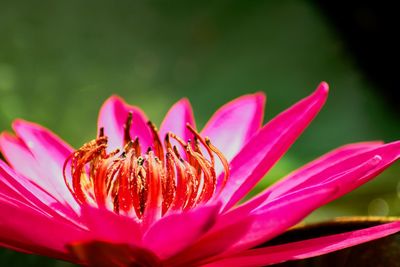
<point x="378" y="207"/>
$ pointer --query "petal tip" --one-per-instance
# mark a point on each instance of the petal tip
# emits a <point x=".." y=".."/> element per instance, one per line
<point x="323" y="87"/>
<point x="261" y="97"/>
<point x="18" y="123"/>
<point x="5" y="134"/>
<point x="260" y="94"/>
<point x="114" y="99"/>
<point x="185" y="103"/>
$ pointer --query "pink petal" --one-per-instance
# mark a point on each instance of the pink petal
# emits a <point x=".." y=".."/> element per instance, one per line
<point x="333" y="158"/>
<point x="49" y="153"/>
<point x="380" y="159"/>
<point x="345" y="180"/>
<point x="208" y="247"/>
<point x="342" y="182"/>
<point x="301" y="175"/>
<point x="29" y="229"/>
<point x="8" y="188"/>
<point x="110" y="227"/>
<point x="275" y="217"/>
<point x="21" y="189"/>
<point x="235" y="123"/>
<point x="388" y="154"/>
<point x="20" y="158"/>
<point x="307" y="248"/>
<point x="175" y="232"/>
<point x="47" y="186"/>
<point x="271" y="142"/>
<point x="175" y="121"/>
<point x="30" y="133"/>
<point x="269" y="221"/>
<point x="112" y="117"/>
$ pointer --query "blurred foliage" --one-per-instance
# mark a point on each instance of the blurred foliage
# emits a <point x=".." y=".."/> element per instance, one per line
<point x="59" y="60"/>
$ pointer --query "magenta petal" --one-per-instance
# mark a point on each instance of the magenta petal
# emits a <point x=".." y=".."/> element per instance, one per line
<point x="23" y="190"/>
<point x="307" y="248"/>
<point x="271" y="142"/>
<point x="241" y="231"/>
<point x="176" y="119"/>
<point x="175" y="232"/>
<point x="37" y="137"/>
<point x="346" y="175"/>
<point x="29" y="229"/>
<point x="20" y="188"/>
<point x="343" y="182"/>
<point x="387" y="154"/>
<point x="315" y="167"/>
<point x="49" y="153"/>
<point x="380" y="159"/>
<point x="112" y="117"/>
<point x="20" y="158"/>
<point x="235" y="123"/>
<point x="301" y="175"/>
<point x="108" y="226"/>
<point x="42" y="165"/>
<point x="275" y="217"/>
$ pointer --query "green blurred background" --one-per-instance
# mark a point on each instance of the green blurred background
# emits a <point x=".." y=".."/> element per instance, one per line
<point x="59" y="60"/>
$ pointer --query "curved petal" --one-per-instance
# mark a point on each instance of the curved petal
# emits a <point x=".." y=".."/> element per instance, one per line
<point x="269" y="144"/>
<point x="242" y="116"/>
<point x="306" y="248"/>
<point x="379" y="159"/>
<point x="387" y="154"/>
<point x="23" y="190"/>
<point x="28" y="229"/>
<point x="110" y="227"/>
<point x="337" y="187"/>
<point x="112" y="117"/>
<point x="301" y="175"/>
<point x="343" y="182"/>
<point x="266" y="223"/>
<point x="20" y="158"/>
<point x="208" y="247"/>
<point x="175" y="232"/>
<point x="286" y="212"/>
<point x="176" y="120"/>
<point x="31" y="132"/>
<point x="49" y="153"/>
<point x="359" y="172"/>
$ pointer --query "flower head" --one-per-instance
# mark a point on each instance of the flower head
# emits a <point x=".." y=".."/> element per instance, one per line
<point x="149" y="183"/>
<point x="139" y="196"/>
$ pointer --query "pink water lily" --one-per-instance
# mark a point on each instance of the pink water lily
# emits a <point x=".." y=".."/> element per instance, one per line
<point x="141" y="196"/>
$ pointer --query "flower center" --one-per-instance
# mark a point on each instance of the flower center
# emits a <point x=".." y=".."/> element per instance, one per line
<point x="131" y="182"/>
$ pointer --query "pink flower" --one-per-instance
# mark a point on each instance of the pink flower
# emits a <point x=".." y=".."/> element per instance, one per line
<point x="129" y="197"/>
